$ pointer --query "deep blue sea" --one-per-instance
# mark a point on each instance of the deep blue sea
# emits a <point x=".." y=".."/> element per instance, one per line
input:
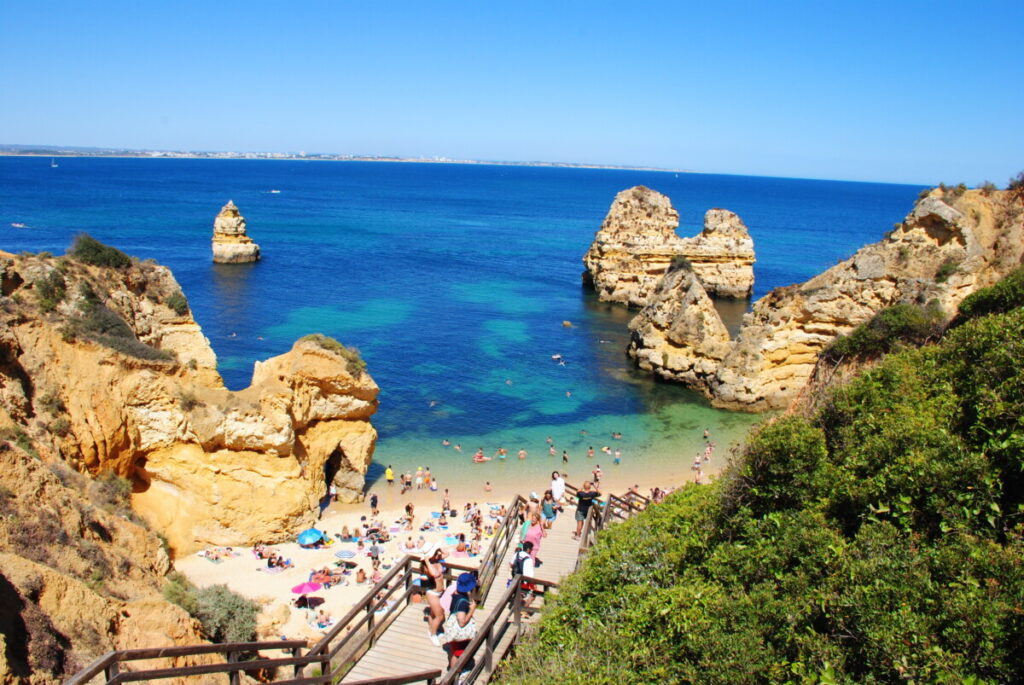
<point x="453" y="280"/>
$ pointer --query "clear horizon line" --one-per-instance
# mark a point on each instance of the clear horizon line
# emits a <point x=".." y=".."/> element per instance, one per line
<point x="27" y="150"/>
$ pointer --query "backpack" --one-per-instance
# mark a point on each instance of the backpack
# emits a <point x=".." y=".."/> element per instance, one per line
<point x="518" y="562"/>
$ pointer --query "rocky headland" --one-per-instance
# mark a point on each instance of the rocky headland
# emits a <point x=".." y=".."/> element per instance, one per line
<point x="637" y="243"/>
<point x="231" y="244"/>
<point x="120" y="445"/>
<point x="952" y="243"/>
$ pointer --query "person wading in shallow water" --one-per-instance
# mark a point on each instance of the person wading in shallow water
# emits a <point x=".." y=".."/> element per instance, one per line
<point x="585" y="498"/>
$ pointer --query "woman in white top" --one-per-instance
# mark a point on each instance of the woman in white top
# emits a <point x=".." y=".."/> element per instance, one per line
<point x="557" y="486"/>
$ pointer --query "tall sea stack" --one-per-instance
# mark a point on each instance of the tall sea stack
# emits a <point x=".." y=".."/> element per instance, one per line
<point x="230" y="243"/>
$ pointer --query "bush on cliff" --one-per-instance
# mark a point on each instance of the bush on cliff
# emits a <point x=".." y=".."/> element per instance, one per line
<point x="226" y="616"/>
<point x="177" y="302"/>
<point x="899" y="324"/>
<point x="88" y="250"/>
<point x="354" y="363"/>
<point x="51" y="290"/>
<point x="97" y="322"/>
<point x="881" y="540"/>
<point x="1005" y="295"/>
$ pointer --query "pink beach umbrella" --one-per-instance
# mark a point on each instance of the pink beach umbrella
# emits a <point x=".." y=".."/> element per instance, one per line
<point x="303" y="588"/>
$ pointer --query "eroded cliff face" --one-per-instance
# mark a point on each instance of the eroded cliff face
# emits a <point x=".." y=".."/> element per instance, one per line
<point x="637" y="243"/>
<point x="231" y="244"/>
<point x="947" y="247"/>
<point x="115" y="375"/>
<point x="79" y="574"/>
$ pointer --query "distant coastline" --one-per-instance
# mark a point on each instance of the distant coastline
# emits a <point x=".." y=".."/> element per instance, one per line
<point x="64" y="151"/>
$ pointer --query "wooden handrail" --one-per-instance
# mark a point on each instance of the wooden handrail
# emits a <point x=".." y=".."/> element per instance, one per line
<point x="510" y="603"/>
<point x="429" y="676"/>
<point x="404" y="565"/>
<point x="102" y="663"/>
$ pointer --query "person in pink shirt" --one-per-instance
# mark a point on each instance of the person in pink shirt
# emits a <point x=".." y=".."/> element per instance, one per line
<point x="534" y="534"/>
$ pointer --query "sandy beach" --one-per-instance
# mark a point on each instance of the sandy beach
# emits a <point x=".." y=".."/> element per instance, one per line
<point x="248" y="575"/>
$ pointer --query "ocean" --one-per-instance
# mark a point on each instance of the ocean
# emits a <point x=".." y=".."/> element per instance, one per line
<point x="453" y="280"/>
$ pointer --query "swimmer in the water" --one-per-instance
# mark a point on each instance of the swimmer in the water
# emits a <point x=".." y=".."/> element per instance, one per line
<point x="522" y="453"/>
<point x="568" y="393"/>
<point x="446" y="442"/>
<point x="457" y="448"/>
<point x="551" y="450"/>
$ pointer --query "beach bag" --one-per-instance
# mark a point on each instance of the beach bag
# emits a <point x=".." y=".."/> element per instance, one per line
<point x="453" y="632"/>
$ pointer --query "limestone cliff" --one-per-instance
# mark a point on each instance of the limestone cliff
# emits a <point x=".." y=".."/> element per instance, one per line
<point x="637" y="243"/>
<point x="231" y="245"/>
<point x="79" y="574"/>
<point x="951" y="244"/>
<point x="108" y="370"/>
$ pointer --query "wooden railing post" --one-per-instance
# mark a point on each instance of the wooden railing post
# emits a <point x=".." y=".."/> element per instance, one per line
<point x="234" y="677"/>
<point x="111" y="671"/>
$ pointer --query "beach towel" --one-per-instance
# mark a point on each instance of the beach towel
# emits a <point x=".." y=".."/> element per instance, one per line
<point x="273" y="570"/>
<point x="435" y="514"/>
<point x="451" y="540"/>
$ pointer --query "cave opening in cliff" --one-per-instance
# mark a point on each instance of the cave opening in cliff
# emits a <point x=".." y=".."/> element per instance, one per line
<point x="332" y="466"/>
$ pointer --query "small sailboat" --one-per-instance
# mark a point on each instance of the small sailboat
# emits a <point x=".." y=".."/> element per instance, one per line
<point x="53" y="163"/>
<point x="275" y="192"/>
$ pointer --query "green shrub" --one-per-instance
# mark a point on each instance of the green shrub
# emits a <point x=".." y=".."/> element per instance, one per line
<point x="19" y="437"/>
<point x="945" y="270"/>
<point x="177" y="302"/>
<point x="880" y="541"/>
<point x="899" y="324"/>
<point x="97" y="322"/>
<point x="987" y="188"/>
<point x="88" y="250"/>
<point x="1005" y="295"/>
<point x="51" y="290"/>
<point x="354" y="363"/>
<point x="1016" y="183"/>
<point x="226" y="616"/>
<point x="179" y="590"/>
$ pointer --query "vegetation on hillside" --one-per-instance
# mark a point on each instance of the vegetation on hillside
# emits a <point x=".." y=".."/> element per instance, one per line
<point x="96" y="322"/>
<point x="354" y="362"/>
<point x="901" y="324"/>
<point x="88" y="250"/>
<point x="225" y="616"/>
<point x="881" y="540"/>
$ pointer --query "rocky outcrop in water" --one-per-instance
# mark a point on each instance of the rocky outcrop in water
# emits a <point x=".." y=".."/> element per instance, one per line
<point x="231" y="245"/>
<point x="637" y="243"/>
<point x="110" y="370"/>
<point x="950" y="245"/>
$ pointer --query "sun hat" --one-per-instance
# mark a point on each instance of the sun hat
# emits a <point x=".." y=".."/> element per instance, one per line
<point x="465" y="583"/>
<point x="432" y="549"/>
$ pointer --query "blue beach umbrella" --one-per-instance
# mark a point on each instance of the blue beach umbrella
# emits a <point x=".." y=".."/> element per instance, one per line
<point x="310" y="536"/>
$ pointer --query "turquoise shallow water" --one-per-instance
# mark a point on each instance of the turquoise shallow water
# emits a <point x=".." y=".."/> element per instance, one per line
<point x="453" y="280"/>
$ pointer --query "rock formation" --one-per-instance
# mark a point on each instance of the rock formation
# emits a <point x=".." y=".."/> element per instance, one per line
<point x="949" y="245"/>
<point x="637" y="243"/>
<point x="208" y="466"/>
<point x="230" y="243"/>
<point x="78" y="575"/>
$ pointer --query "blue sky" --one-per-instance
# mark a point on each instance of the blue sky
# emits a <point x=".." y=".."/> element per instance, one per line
<point x="916" y="92"/>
